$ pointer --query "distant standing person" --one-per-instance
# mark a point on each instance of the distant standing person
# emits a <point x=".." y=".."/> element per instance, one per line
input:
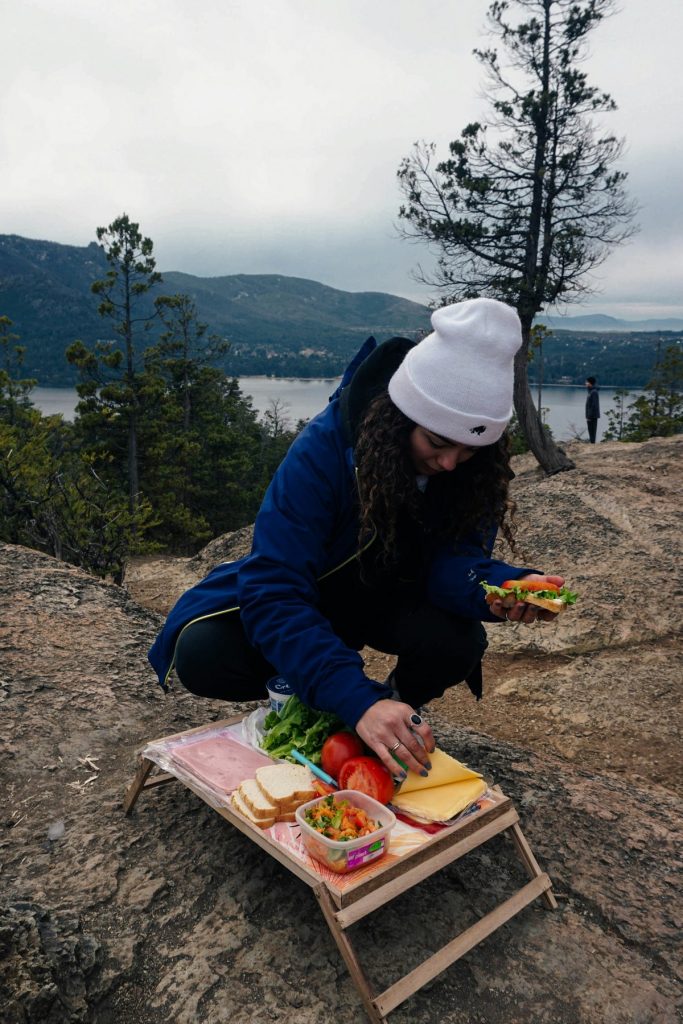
<point x="592" y="408"/>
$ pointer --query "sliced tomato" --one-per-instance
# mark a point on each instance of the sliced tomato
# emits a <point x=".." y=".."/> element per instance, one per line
<point x="530" y="585"/>
<point x="368" y="775"/>
<point x="337" y="749"/>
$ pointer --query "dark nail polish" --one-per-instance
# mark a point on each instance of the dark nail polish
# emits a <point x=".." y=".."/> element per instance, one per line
<point x="428" y="766"/>
<point x="424" y="774"/>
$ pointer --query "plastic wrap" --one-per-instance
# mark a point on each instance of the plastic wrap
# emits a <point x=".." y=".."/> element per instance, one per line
<point x="212" y="762"/>
<point x="252" y="727"/>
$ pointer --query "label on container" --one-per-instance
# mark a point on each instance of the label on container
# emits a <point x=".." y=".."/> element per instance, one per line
<point x="279" y="685"/>
<point x="279" y="692"/>
<point x="362" y="854"/>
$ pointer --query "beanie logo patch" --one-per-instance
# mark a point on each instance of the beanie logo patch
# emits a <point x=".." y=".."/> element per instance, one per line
<point x="477" y="430"/>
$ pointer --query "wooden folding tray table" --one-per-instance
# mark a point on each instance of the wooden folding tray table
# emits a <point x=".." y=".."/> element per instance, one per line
<point x="342" y="907"/>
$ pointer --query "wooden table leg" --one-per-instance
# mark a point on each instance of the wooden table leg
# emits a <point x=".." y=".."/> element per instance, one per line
<point x="347" y="951"/>
<point x="137" y="785"/>
<point x="410" y="983"/>
<point x="527" y="858"/>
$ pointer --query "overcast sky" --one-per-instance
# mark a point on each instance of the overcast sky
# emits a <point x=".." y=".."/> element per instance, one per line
<point x="263" y="136"/>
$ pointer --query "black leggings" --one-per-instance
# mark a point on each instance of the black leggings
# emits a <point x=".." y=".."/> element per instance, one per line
<point x="435" y="649"/>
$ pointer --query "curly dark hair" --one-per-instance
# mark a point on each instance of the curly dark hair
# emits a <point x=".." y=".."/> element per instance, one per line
<point x="475" y="497"/>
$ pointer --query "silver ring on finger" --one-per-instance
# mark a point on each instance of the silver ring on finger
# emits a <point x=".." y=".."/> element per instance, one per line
<point x="415" y="720"/>
<point x="396" y="745"/>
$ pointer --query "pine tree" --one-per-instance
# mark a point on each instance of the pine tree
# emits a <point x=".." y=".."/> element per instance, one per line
<point x="658" y="412"/>
<point x="200" y="436"/>
<point x="14" y="390"/>
<point x="617" y="417"/>
<point x="529" y="202"/>
<point x="206" y="476"/>
<point x="185" y="346"/>
<point x="52" y="499"/>
<point x="110" y="388"/>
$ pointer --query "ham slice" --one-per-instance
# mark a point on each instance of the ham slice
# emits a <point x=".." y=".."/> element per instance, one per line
<point x="219" y="761"/>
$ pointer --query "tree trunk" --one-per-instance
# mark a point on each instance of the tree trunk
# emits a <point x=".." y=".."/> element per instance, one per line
<point x="133" y="479"/>
<point x="187" y="404"/>
<point x="133" y="475"/>
<point x="550" y="458"/>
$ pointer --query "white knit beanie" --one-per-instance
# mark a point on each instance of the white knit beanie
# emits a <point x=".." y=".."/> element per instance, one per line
<point x="457" y="382"/>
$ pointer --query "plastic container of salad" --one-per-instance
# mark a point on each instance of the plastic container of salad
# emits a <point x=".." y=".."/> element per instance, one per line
<point x="343" y="856"/>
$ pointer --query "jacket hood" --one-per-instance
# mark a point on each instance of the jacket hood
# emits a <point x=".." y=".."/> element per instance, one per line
<point x="369" y="380"/>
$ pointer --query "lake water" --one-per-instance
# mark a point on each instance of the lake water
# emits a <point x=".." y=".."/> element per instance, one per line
<point x="302" y="399"/>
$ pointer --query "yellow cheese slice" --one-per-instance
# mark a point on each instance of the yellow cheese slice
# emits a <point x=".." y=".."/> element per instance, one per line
<point x="445" y="769"/>
<point x="450" y="787"/>
<point x="441" y="803"/>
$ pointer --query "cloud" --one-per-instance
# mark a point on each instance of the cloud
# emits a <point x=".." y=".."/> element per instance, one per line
<point x="256" y="137"/>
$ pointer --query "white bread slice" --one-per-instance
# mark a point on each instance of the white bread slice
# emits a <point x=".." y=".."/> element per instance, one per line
<point x="287" y="786"/>
<point x="240" y="806"/>
<point x="256" y="800"/>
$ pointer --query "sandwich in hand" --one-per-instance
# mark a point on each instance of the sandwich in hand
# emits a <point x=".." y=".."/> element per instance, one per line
<point x="539" y="592"/>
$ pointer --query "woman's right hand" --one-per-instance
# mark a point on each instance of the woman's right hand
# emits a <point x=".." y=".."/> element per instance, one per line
<point x="388" y="722"/>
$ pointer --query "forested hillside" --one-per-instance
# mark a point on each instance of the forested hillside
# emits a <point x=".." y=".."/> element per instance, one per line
<point x="617" y="359"/>
<point x="284" y="326"/>
<point x="279" y="325"/>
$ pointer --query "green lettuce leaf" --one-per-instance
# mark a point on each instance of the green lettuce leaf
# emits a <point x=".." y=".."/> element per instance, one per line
<point x="565" y="595"/>
<point x="299" y="726"/>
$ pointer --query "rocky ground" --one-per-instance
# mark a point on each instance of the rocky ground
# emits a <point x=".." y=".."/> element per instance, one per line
<point x="172" y="915"/>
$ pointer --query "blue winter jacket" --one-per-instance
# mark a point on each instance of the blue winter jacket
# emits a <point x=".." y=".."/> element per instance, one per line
<point x="306" y="528"/>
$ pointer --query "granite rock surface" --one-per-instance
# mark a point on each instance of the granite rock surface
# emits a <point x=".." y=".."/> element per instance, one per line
<point x="172" y="915"/>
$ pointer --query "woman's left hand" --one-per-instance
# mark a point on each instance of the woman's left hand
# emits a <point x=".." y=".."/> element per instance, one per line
<point x="519" y="611"/>
<point x="392" y="727"/>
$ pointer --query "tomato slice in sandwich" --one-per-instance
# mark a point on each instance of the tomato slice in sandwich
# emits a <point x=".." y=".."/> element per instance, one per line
<point x="530" y="585"/>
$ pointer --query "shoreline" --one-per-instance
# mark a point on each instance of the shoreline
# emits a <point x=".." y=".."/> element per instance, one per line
<point x="321" y="380"/>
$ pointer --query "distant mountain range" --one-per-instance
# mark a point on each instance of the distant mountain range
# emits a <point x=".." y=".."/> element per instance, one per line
<point x="280" y="325"/>
<point x="604" y="324"/>
<point x="284" y="326"/>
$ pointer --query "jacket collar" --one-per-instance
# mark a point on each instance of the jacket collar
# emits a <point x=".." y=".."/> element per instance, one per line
<point x="370" y="379"/>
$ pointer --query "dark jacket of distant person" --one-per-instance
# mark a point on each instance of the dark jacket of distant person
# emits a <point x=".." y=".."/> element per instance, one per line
<point x="592" y="402"/>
